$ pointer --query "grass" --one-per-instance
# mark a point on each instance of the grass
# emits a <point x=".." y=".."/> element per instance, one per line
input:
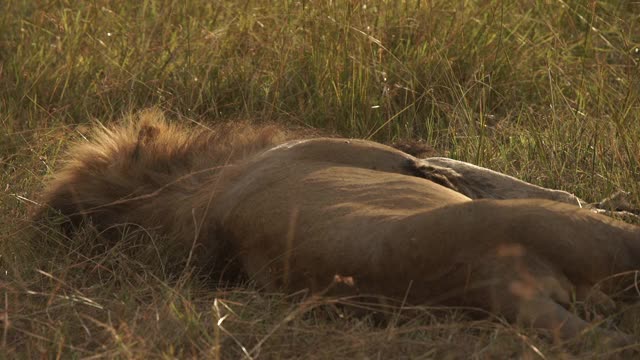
<point x="546" y="91"/>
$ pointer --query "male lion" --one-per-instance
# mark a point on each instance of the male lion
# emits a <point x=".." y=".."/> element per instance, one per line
<point x="299" y="214"/>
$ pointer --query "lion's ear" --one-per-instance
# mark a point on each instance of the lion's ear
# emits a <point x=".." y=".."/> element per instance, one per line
<point x="146" y="135"/>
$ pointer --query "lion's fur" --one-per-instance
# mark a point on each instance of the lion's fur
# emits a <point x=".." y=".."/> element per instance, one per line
<point x="299" y="213"/>
<point x="140" y="172"/>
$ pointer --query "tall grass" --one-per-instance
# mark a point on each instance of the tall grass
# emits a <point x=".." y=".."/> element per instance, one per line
<point x="544" y="90"/>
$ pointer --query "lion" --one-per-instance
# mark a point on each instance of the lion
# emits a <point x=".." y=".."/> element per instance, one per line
<point x="302" y="214"/>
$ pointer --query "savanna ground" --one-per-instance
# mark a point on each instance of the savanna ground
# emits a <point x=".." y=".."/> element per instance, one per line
<point x="547" y="91"/>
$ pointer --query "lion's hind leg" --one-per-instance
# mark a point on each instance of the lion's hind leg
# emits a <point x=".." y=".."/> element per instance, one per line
<point x="544" y="312"/>
<point x="529" y="291"/>
<point x="478" y="182"/>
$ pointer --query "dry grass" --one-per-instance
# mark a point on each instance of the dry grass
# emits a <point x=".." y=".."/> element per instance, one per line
<point x="547" y="91"/>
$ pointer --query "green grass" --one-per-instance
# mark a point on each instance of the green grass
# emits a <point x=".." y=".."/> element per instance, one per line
<point x="546" y="91"/>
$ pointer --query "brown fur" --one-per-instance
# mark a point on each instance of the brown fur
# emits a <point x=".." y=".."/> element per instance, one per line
<point x="304" y="213"/>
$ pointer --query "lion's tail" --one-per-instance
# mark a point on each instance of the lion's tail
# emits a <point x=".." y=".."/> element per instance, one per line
<point x="148" y="172"/>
